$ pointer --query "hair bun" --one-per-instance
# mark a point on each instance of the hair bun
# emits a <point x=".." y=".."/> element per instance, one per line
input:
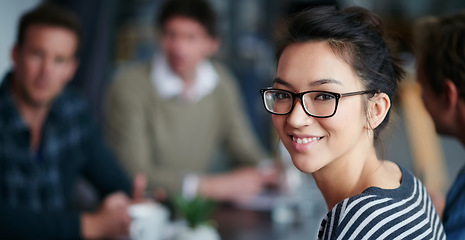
<point x="366" y="18"/>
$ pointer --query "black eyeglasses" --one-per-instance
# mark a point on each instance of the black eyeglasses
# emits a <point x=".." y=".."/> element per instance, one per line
<point x="319" y="104"/>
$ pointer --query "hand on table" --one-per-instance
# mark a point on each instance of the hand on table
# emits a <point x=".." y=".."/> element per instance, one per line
<point x="111" y="220"/>
<point x="139" y="186"/>
<point x="237" y="186"/>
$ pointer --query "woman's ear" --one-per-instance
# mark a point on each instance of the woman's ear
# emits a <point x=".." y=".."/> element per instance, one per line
<point x="378" y="108"/>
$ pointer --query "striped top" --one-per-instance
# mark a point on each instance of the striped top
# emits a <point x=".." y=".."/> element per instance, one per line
<point x="402" y="213"/>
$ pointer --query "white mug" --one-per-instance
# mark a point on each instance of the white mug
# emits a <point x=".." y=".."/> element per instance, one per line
<point x="149" y="219"/>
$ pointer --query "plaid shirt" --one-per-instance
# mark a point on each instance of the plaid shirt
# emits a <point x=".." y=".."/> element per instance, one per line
<point x="42" y="182"/>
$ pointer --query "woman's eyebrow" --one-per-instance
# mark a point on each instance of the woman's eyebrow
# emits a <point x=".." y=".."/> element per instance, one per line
<point x="312" y="84"/>
<point x="325" y="81"/>
<point x="281" y="81"/>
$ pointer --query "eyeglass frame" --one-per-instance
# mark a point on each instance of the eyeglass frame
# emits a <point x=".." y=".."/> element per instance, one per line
<point x="301" y="94"/>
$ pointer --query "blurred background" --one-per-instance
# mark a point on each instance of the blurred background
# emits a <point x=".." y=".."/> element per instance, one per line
<point x="121" y="31"/>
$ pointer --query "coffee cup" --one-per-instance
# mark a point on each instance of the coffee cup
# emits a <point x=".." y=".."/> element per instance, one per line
<point x="149" y="219"/>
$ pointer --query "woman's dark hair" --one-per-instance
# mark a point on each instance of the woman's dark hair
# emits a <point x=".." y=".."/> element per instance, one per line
<point x="197" y="10"/>
<point x="355" y="35"/>
<point x="48" y="14"/>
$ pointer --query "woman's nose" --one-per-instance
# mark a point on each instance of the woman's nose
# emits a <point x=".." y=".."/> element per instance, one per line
<point x="298" y="117"/>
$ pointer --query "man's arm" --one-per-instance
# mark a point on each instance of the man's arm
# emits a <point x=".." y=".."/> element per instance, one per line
<point x="102" y="168"/>
<point x="104" y="172"/>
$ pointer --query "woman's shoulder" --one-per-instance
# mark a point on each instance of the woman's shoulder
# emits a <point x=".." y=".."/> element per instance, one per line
<point x="365" y="204"/>
<point x="396" y="204"/>
<point x="385" y="213"/>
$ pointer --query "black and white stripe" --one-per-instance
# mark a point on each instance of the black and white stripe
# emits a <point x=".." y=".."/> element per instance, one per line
<point x="403" y="213"/>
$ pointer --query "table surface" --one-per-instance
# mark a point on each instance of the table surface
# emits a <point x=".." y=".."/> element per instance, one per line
<point x="236" y="224"/>
<point x="244" y="224"/>
<point x="292" y="217"/>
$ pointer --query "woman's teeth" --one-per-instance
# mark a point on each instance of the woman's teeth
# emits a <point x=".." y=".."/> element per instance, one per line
<point x="305" y="140"/>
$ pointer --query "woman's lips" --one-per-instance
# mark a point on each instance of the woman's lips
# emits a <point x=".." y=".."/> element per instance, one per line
<point x="302" y="144"/>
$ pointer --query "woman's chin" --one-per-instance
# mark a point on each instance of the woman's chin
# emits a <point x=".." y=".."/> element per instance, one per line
<point x="305" y="165"/>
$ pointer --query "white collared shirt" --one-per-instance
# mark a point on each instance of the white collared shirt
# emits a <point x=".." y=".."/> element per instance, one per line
<point x="169" y="85"/>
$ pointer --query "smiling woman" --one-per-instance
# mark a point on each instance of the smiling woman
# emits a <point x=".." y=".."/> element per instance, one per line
<point x="332" y="94"/>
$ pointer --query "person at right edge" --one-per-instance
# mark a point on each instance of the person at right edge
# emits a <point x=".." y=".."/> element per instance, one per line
<point x="440" y="52"/>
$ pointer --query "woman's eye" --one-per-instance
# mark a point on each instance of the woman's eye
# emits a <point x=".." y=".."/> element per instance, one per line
<point x="324" y="97"/>
<point x="282" y="96"/>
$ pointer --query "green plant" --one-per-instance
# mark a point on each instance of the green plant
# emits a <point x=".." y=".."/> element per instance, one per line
<point x="196" y="211"/>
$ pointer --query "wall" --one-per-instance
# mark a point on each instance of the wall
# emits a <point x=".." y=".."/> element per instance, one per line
<point x="10" y="12"/>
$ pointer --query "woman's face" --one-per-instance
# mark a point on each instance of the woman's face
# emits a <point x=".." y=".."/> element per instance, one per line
<point x="318" y="142"/>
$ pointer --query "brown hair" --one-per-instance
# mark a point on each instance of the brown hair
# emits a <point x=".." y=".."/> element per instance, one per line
<point x="440" y="50"/>
<point x="51" y="15"/>
<point x="198" y="10"/>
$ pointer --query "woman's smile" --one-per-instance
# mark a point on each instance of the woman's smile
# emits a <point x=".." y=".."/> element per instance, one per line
<point x="303" y="143"/>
